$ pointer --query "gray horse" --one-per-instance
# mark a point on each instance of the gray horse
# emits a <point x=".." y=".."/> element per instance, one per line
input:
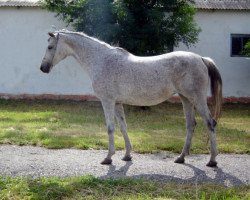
<point x="119" y="77"/>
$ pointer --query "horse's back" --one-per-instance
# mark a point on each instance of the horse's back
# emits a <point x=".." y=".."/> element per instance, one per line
<point x="170" y="65"/>
<point x="151" y="80"/>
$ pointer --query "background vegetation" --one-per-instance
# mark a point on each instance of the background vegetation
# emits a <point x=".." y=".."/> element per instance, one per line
<point x="246" y="50"/>
<point x="145" y="27"/>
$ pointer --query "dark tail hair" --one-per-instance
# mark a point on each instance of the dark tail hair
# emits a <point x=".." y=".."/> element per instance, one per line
<point x="216" y="86"/>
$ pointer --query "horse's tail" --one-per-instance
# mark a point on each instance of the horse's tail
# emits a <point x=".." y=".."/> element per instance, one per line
<point x="216" y="86"/>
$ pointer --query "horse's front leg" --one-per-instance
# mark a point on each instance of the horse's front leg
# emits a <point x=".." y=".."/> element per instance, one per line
<point x="109" y="112"/>
<point x="120" y="116"/>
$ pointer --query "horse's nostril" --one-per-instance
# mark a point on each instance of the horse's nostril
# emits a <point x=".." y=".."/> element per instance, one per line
<point x="45" y="69"/>
<point x="42" y="69"/>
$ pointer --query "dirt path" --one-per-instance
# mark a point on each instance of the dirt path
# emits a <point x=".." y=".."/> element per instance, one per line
<point x="36" y="161"/>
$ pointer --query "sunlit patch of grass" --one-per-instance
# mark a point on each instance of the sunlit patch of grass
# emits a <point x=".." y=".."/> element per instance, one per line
<point x="67" y="124"/>
<point x="88" y="187"/>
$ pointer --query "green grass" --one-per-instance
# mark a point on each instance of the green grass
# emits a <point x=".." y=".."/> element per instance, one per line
<point x="66" y="124"/>
<point x="89" y="187"/>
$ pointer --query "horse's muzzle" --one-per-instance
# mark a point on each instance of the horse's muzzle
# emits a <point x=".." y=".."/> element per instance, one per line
<point x="45" y="68"/>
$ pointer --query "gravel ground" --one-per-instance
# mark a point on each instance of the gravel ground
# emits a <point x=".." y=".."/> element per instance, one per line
<point x="36" y="162"/>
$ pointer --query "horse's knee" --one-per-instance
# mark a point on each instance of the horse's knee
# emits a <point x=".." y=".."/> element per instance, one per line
<point x="111" y="129"/>
<point x="191" y="126"/>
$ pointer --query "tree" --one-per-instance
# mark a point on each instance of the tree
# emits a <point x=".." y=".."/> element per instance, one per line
<point x="246" y="50"/>
<point x="143" y="27"/>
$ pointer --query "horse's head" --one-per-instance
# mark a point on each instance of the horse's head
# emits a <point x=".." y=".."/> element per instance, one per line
<point x="54" y="53"/>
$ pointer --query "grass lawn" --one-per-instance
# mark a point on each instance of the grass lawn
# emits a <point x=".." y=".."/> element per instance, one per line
<point x="66" y="124"/>
<point x="92" y="188"/>
<point x="70" y="124"/>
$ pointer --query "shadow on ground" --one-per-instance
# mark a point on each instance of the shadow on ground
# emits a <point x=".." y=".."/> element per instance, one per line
<point x="199" y="177"/>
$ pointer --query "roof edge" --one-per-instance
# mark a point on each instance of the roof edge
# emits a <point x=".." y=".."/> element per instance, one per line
<point x="20" y="3"/>
<point x="198" y="4"/>
<point x="222" y="4"/>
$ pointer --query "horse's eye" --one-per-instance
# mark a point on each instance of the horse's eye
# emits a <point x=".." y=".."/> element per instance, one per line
<point x="50" y="47"/>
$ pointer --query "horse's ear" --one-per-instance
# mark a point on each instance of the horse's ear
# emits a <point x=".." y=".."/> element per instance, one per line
<point x="51" y="34"/>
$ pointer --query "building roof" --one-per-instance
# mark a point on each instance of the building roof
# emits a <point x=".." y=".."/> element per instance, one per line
<point x="223" y="4"/>
<point x="21" y="3"/>
<point x="200" y="4"/>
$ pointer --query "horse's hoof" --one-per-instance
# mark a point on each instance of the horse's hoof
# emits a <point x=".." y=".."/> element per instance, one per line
<point x="127" y="158"/>
<point x="179" y="160"/>
<point x="106" y="161"/>
<point x="211" y="164"/>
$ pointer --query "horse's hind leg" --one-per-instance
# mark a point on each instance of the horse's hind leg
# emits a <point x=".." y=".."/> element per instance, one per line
<point x="201" y="106"/>
<point x="120" y="116"/>
<point x="109" y="112"/>
<point x="189" y="112"/>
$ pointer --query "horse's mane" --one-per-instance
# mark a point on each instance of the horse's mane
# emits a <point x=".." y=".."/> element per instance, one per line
<point x="93" y="39"/>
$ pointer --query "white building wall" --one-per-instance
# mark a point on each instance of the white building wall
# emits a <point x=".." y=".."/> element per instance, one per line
<point x="214" y="41"/>
<point x="23" y="41"/>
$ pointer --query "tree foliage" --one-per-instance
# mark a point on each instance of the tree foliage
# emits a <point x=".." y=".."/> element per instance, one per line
<point x="246" y="49"/>
<point x="143" y="27"/>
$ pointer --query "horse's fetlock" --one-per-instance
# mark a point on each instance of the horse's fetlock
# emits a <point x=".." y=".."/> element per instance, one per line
<point x="112" y="153"/>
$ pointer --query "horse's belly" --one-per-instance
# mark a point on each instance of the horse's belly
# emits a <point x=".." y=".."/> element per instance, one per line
<point x="143" y="102"/>
<point x="145" y="99"/>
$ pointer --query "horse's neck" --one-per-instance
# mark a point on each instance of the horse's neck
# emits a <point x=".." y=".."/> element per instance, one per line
<point x="85" y="50"/>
